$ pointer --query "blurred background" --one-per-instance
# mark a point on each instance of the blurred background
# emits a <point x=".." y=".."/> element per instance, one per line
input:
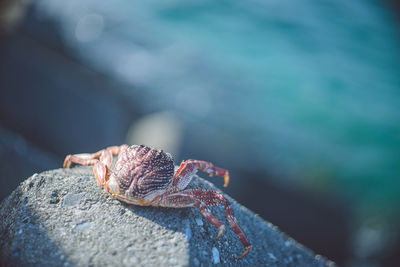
<point x="299" y="100"/>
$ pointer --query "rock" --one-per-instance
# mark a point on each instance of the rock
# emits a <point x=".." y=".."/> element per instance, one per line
<point x="63" y="218"/>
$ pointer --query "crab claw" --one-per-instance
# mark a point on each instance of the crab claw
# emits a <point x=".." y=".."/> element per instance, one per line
<point x="67" y="162"/>
<point x="246" y="251"/>
<point x="221" y="231"/>
<point x="223" y="173"/>
<point x="226" y="180"/>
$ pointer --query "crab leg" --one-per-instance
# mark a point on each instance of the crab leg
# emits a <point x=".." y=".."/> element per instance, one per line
<point x="181" y="200"/>
<point x="89" y="159"/>
<point x="203" y="199"/>
<point x="81" y="159"/>
<point x="189" y="168"/>
<point x="100" y="160"/>
<point x="214" y="198"/>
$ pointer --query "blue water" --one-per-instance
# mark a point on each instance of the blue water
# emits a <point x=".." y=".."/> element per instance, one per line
<point x="312" y="86"/>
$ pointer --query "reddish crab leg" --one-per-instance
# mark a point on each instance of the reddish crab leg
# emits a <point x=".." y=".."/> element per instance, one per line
<point x="203" y="199"/>
<point x="89" y="159"/>
<point x="181" y="200"/>
<point x="100" y="160"/>
<point x="189" y="168"/>
<point x="81" y="159"/>
<point x="214" y="198"/>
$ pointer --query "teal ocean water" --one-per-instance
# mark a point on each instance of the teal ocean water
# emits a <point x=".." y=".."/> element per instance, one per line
<point x="313" y="87"/>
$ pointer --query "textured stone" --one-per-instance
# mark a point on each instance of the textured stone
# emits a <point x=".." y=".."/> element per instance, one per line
<point x="63" y="218"/>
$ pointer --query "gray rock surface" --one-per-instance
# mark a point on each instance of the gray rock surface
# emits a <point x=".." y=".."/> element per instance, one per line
<point x="63" y="218"/>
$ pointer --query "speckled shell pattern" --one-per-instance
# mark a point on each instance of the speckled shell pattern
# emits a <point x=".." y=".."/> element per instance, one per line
<point x="140" y="170"/>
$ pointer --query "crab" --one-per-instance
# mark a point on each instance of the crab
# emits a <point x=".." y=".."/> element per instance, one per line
<point x="145" y="176"/>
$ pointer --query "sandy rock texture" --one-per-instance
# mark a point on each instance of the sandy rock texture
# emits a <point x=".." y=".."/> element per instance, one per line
<point x="63" y="217"/>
